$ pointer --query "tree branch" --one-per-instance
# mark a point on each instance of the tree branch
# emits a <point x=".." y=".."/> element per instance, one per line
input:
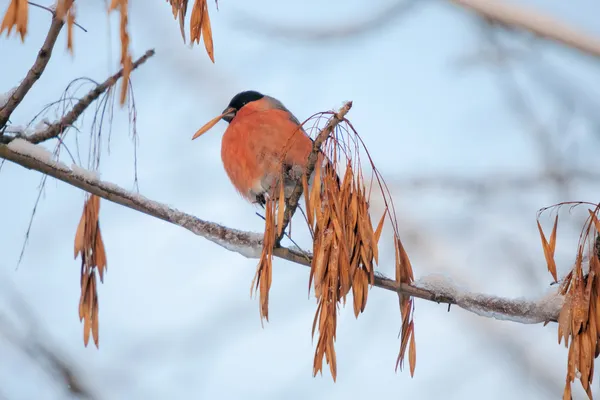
<point x="292" y="202"/>
<point x="35" y="157"/>
<point x="530" y="19"/>
<point x="27" y="335"/>
<point x="249" y="244"/>
<point x="34" y="72"/>
<point x="65" y="122"/>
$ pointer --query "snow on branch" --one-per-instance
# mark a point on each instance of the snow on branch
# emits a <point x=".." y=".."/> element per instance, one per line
<point x="520" y="310"/>
<point x="38" y="158"/>
<point x="249" y="244"/>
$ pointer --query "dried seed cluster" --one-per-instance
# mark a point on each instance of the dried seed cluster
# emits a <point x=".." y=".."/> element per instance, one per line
<point x="579" y="318"/>
<point x="88" y="243"/>
<point x="199" y="23"/>
<point x="345" y="244"/>
<point x="344" y="248"/>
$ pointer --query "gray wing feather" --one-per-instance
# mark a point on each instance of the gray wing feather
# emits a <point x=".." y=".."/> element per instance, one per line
<point x="279" y="105"/>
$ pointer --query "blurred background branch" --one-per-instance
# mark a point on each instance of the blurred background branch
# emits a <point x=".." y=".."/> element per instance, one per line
<point x="21" y="330"/>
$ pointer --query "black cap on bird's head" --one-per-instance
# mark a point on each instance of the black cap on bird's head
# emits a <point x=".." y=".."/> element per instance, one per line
<point x="238" y="101"/>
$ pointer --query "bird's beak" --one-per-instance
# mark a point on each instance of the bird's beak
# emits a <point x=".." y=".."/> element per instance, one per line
<point x="228" y="113"/>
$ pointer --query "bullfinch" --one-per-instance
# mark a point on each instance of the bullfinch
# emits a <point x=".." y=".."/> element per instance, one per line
<point x="263" y="140"/>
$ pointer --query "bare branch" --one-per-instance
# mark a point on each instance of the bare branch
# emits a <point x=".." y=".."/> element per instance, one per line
<point x="59" y="127"/>
<point x="249" y="244"/>
<point x="34" y="72"/>
<point x="533" y="20"/>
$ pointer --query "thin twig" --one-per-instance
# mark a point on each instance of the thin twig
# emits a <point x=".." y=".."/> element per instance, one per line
<point x="249" y="244"/>
<point x="53" y="12"/>
<point x="292" y="202"/>
<point x="34" y="72"/>
<point x="65" y="122"/>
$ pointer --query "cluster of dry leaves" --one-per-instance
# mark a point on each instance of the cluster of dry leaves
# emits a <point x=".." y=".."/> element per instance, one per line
<point x="579" y="318"/>
<point x="345" y="244"/>
<point x="89" y="244"/>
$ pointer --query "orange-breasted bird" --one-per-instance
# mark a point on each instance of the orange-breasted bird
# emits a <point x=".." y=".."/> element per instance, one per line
<point x="263" y="140"/>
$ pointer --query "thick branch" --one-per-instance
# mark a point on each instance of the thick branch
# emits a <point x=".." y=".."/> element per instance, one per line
<point x="34" y="72"/>
<point x="533" y="20"/>
<point x="292" y="202"/>
<point x="29" y="156"/>
<point x="65" y="122"/>
<point x="249" y="244"/>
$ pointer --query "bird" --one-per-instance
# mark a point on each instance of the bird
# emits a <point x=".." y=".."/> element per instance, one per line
<point x="263" y="139"/>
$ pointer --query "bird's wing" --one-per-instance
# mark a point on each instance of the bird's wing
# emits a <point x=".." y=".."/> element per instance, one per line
<point x="278" y="105"/>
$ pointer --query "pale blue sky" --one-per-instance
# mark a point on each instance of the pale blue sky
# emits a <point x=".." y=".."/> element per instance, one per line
<point x="176" y="319"/>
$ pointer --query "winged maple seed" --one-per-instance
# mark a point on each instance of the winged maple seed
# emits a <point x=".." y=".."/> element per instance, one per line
<point x="579" y="317"/>
<point x="126" y="62"/>
<point x="262" y="279"/>
<point x="200" y="26"/>
<point x="66" y="8"/>
<point x="345" y="245"/>
<point x="63" y="7"/>
<point x="88" y="243"/>
<point x="179" y="8"/>
<point x="404" y="274"/>
<point x="199" y="23"/>
<point x="16" y="16"/>
<point x="549" y="247"/>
